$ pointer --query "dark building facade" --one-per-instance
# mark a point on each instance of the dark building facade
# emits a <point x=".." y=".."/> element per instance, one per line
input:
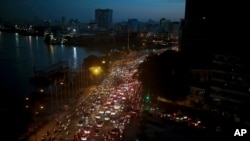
<point x="230" y="82"/>
<point x="195" y="39"/>
<point x="211" y="39"/>
<point x="104" y="18"/>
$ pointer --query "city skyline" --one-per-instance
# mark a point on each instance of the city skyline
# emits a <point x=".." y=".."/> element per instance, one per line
<point x="84" y="10"/>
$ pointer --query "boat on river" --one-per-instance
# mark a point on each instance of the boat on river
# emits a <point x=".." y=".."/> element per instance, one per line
<point x="49" y="38"/>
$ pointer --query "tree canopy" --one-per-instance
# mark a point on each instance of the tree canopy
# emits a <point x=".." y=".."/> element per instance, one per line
<point x="164" y="75"/>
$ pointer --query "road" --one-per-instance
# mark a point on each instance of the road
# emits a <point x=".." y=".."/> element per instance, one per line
<point x="99" y="110"/>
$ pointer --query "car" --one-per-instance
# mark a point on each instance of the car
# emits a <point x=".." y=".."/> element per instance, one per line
<point x="99" y="123"/>
<point x="195" y="123"/>
<point x="87" y="130"/>
<point x="80" y="123"/>
<point x="97" y="131"/>
<point x="84" y="137"/>
<point x="92" y="108"/>
<point x="101" y="112"/>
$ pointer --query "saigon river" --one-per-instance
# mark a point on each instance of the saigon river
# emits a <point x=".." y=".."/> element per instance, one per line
<point x="18" y="57"/>
<point x="20" y="54"/>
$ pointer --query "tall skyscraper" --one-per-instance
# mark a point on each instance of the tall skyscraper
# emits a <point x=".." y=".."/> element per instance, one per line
<point x="175" y="30"/>
<point x="212" y="40"/>
<point x="164" y="25"/>
<point x="133" y="25"/>
<point x="196" y="36"/>
<point x="104" y="18"/>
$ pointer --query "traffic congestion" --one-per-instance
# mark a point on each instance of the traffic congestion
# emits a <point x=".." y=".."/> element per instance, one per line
<point x="103" y="111"/>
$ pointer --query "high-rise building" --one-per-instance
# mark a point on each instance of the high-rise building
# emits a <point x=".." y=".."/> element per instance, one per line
<point x="174" y="30"/>
<point x="104" y="18"/>
<point x="133" y="25"/>
<point x="164" y="25"/>
<point x="211" y="39"/>
<point x="195" y="39"/>
<point x="230" y="82"/>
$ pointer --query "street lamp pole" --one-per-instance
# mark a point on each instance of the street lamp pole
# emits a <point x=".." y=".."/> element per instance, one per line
<point x="36" y="113"/>
<point x="51" y="94"/>
<point x="69" y="82"/>
<point x="61" y="93"/>
<point x="56" y="97"/>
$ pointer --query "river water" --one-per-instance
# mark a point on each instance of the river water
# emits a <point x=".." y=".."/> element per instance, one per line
<point x="20" y="54"/>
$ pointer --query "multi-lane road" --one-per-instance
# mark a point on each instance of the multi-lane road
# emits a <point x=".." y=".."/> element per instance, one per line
<point x="101" y="112"/>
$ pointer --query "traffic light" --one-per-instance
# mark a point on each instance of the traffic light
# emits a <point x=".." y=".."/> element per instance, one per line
<point x="147" y="98"/>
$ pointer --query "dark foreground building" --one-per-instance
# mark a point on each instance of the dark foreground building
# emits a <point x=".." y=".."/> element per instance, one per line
<point x="212" y="41"/>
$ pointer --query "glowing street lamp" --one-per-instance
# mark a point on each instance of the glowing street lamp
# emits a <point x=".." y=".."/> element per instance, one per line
<point x="41" y="90"/>
<point x="41" y="107"/>
<point x="61" y="84"/>
<point x="96" y="70"/>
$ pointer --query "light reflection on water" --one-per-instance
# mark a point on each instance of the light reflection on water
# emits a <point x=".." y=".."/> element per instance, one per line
<point x="74" y="57"/>
<point x="20" y="54"/>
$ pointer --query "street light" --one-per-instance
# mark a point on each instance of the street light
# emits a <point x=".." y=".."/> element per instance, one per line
<point x="36" y="126"/>
<point x="61" y="83"/>
<point x="41" y="90"/>
<point x="27" y="102"/>
<point x="41" y="107"/>
<point x="51" y="97"/>
<point x="103" y="62"/>
<point x="96" y="70"/>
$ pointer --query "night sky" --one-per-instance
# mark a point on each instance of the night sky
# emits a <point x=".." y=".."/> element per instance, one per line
<point x="84" y="10"/>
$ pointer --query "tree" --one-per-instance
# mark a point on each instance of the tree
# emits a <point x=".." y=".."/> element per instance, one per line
<point x="164" y="75"/>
